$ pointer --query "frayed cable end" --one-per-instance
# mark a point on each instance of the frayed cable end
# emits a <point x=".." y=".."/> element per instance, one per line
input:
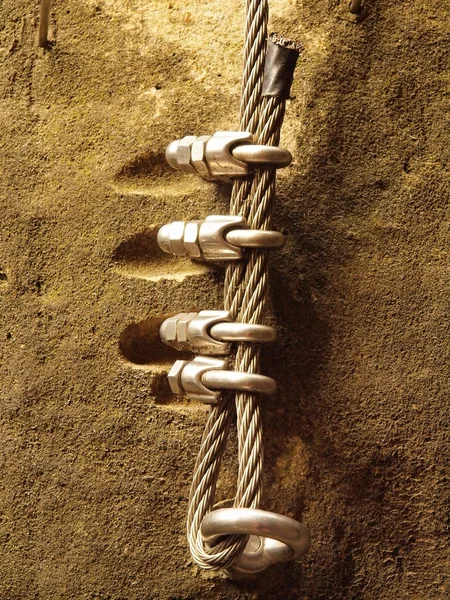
<point x="279" y="40"/>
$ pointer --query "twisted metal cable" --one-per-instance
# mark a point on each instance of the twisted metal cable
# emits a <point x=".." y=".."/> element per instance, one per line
<point x="257" y="16"/>
<point x="207" y="467"/>
<point x="245" y="295"/>
<point x="247" y="300"/>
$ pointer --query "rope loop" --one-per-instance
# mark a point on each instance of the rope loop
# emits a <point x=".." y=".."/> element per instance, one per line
<point x="246" y="298"/>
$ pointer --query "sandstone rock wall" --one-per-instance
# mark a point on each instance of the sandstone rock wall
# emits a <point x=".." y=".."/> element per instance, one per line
<point x="96" y="455"/>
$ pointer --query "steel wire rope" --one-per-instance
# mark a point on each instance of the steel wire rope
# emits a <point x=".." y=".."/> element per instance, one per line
<point x="245" y="296"/>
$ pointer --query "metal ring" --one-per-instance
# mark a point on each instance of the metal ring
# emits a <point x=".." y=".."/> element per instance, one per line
<point x="273" y="156"/>
<point x="242" y="332"/>
<point x="236" y="380"/>
<point x="255" y="238"/>
<point x="280" y="538"/>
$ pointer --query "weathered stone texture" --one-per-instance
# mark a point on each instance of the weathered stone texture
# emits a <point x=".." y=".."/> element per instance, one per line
<point x="96" y="456"/>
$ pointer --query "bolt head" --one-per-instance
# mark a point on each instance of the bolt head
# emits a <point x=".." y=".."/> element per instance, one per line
<point x="174" y="376"/>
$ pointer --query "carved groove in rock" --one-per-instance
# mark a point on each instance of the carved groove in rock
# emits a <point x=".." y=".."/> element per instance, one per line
<point x="145" y="165"/>
<point x="141" y="257"/>
<point x="148" y="174"/>
<point x="143" y="350"/>
<point x="141" y="346"/>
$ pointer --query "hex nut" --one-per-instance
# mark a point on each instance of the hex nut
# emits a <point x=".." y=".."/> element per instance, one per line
<point x="198" y="156"/>
<point x="184" y="153"/>
<point x="182" y="328"/>
<point x="176" y="236"/>
<point x="174" y="376"/>
<point x="190" y="240"/>
<point x="168" y="330"/>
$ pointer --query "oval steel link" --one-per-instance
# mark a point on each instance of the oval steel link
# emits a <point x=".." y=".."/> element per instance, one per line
<point x="281" y="538"/>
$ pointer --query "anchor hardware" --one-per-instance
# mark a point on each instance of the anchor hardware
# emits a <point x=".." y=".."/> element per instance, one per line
<point x="203" y="377"/>
<point x="223" y="155"/>
<point x="239" y="540"/>
<point x="273" y="537"/>
<point x="210" y="331"/>
<point x="217" y="238"/>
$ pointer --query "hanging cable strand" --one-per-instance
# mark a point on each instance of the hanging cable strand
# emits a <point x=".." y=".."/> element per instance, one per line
<point x="256" y="191"/>
<point x="257" y="16"/>
<point x="247" y="301"/>
<point x="264" y="93"/>
<point x="207" y="467"/>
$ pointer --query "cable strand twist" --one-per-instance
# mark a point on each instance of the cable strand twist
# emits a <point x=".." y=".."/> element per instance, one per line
<point x="245" y="296"/>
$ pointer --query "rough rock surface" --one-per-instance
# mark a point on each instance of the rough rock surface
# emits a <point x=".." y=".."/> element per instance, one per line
<point x="96" y="456"/>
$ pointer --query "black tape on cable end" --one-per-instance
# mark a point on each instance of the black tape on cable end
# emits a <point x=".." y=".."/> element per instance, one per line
<point x="281" y="58"/>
